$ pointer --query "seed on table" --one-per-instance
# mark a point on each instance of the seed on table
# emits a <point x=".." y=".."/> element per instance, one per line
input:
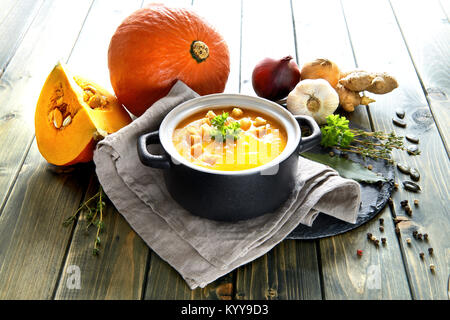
<point x="408" y="241"/>
<point x="432" y="267"/>
<point x="377" y="242"/>
<point x="415" y="233"/>
<point x="381" y="221"/>
<point x="395" y="185"/>
<point x="381" y="229"/>
<point x="399" y="123"/>
<point x="400" y="113"/>
<point x="412" y="138"/>
<point x="422" y="255"/>
<point x="383" y="240"/>
<point x="369" y="236"/>
<point x="370" y="167"/>
<point x="414" y="174"/>
<point x="404" y="203"/>
<point x="403" y="168"/>
<point x="411" y="186"/>
<point x="373" y="238"/>
<point x="359" y="253"/>
<point x="408" y="211"/>
<point x="425" y="236"/>
<point x="430" y="251"/>
<point x="419" y="236"/>
<point x="416" y="202"/>
<point x="413" y="150"/>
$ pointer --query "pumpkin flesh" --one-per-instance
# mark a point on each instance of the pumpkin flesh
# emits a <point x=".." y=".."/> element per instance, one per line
<point x="66" y="124"/>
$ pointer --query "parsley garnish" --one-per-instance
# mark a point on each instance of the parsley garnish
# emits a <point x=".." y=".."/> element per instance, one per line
<point x="336" y="132"/>
<point x="220" y="131"/>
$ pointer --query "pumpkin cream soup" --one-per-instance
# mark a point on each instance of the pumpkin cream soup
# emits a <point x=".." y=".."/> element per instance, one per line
<point x="229" y="139"/>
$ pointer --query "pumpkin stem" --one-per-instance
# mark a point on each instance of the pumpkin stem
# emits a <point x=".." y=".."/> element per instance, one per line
<point x="199" y="51"/>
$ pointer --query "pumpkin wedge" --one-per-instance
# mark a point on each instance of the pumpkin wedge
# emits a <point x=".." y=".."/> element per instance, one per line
<point x="71" y="113"/>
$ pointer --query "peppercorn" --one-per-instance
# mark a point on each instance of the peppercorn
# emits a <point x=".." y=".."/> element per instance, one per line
<point x="425" y="236"/>
<point x="422" y="255"/>
<point x="432" y="267"/>
<point x="416" y="202"/>
<point x="430" y="251"/>
<point x="395" y="185"/>
<point x="373" y="238"/>
<point x="419" y="236"/>
<point x="408" y="210"/>
<point x="383" y="240"/>
<point x="381" y="221"/>
<point x="404" y="203"/>
<point x="408" y="241"/>
<point x="359" y="253"/>
<point x="377" y="242"/>
<point x="369" y="236"/>
<point x="415" y="232"/>
<point x="381" y="229"/>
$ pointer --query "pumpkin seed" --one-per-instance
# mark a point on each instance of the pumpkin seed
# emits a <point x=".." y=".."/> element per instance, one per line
<point x="399" y="123"/>
<point x="412" y="138"/>
<point x="414" y="174"/>
<point x="57" y="118"/>
<point x="67" y="121"/>
<point x="400" y="113"/>
<point x="403" y="168"/>
<point x="413" y="150"/>
<point x="411" y="186"/>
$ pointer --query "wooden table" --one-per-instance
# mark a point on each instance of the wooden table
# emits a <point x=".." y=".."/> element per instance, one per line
<point x="409" y="39"/>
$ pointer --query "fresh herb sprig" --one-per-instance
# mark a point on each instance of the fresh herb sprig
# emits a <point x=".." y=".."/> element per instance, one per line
<point x="94" y="217"/>
<point x="221" y="132"/>
<point x="379" y="145"/>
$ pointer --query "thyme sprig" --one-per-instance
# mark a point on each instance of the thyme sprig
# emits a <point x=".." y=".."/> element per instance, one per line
<point x="94" y="209"/>
<point x="378" y="144"/>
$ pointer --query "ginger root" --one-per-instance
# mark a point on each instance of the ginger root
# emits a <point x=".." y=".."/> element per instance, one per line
<point x="349" y="99"/>
<point x="353" y="82"/>
<point x="375" y="82"/>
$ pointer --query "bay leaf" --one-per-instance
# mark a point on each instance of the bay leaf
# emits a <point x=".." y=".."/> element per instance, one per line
<point x="346" y="168"/>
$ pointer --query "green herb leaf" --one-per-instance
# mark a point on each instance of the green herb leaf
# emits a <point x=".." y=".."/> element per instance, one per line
<point x="336" y="132"/>
<point x="220" y="131"/>
<point x="346" y="168"/>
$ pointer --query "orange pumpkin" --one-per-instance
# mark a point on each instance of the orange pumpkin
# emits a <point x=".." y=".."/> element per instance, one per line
<point x="156" y="46"/>
<point x="71" y="114"/>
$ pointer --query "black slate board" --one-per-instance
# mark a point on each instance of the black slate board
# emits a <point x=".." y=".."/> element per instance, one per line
<point x="373" y="198"/>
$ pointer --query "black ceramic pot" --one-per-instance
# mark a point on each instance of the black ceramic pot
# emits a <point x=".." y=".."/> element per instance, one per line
<point x="229" y="195"/>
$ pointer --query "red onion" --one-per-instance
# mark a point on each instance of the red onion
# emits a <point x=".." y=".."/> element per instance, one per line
<point x="274" y="79"/>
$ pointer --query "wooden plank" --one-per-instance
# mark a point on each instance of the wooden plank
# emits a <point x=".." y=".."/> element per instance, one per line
<point x="344" y="275"/>
<point x="163" y="281"/>
<point x="119" y="270"/>
<point x="14" y="27"/>
<point x="32" y="238"/>
<point x="33" y="241"/>
<point x="6" y="7"/>
<point x="374" y="45"/>
<point x="288" y="272"/>
<point x="429" y="47"/>
<point x="267" y="31"/>
<point x="20" y="85"/>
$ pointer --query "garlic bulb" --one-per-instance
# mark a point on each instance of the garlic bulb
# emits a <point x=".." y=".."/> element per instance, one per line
<point x="313" y="97"/>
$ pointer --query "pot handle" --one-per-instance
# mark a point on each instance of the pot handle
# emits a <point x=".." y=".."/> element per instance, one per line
<point x="148" y="159"/>
<point x="312" y="140"/>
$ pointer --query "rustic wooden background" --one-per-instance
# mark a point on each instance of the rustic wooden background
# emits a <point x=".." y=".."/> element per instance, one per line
<point x="410" y="39"/>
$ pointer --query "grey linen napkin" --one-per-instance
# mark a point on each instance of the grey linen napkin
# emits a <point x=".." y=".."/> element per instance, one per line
<point x="202" y="250"/>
